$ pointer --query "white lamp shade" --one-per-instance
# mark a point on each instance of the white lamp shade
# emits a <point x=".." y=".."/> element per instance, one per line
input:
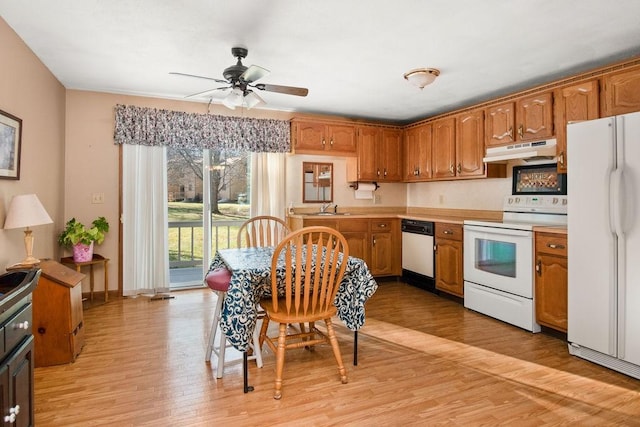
<point x="252" y="99"/>
<point x="26" y="211"/>
<point x="422" y="77"/>
<point x="233" y="99"/>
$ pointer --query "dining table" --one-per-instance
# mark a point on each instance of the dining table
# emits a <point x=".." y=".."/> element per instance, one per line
<point x="251" y="281"/>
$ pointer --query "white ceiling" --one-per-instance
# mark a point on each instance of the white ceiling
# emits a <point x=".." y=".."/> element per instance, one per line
<point x="350" y="54"/>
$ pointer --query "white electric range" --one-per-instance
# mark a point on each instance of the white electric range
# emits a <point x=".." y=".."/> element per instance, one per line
<point x="498" y="258"/>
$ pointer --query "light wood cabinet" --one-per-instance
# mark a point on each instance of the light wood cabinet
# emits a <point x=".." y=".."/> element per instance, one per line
<point x="319" y="137"/>
<point x="621" y="92"/>
<point x="385" y="247"/>
<point x="470" y="144"/>
<point x="379" y="152"/>
<point x="449" y="261"/>
<point x="417" y="153"/>
<point x="551" y="280"/>
<point x="376" y="241"/>
<point x="526" y="119"/>
<point x="57" y="315"/>
<point x="577" y="102"/>
<point x="443" y="149"/>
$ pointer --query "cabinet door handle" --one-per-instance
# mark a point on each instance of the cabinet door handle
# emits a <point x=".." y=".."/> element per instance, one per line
<point x="521" y="131"/>
<point x="324" y="142"/>
<point x="554" y="246"/>
<point x="22" y="325"/>
<point x="331" y="142"/>
<point x="451" y="169"/>
<point x="385" y="172"/>
<point x="435" y="248"/>
<point x="539" y="267"/>
<point x="561" y="158"/>
<point x="447" y="232"/>
<point x="382" y="225"/>
<point x="510" y="132"/>
<point x="378" y="172"/>
<point x="373" y="242"/>
<point x="459" y="168"/>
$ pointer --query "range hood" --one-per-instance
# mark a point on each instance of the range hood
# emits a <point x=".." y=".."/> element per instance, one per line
<point x="527" y="151"/>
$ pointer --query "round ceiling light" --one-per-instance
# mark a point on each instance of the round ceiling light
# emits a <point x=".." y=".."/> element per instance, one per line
<point x="420" y="77"/>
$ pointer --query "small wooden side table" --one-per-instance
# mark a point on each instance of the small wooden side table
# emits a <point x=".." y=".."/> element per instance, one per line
<point x="97" y="259"/>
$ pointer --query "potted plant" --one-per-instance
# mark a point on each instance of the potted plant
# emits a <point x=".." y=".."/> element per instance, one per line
<point x="81" y="239"/>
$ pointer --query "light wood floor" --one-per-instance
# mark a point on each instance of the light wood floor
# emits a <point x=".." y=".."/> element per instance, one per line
<point x="423" y="360"/>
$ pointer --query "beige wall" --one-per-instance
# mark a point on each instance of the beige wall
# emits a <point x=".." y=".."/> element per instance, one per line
<point x="29" y="92"/>
<point x="68" y="154"/>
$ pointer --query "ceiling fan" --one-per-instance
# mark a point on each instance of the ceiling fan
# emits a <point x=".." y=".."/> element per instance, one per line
<point x="241" y="80"/>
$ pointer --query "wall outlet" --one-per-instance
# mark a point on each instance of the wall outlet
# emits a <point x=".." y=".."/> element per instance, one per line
<point x="441" y="199"/>
<point x="97" y="198"/>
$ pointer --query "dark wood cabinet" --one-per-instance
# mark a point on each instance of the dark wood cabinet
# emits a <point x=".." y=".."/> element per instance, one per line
<point x="57" y="315"/>
<point x="16" y="382"/>
<point x="551" y="280"/>
<point x="449" y="261"/>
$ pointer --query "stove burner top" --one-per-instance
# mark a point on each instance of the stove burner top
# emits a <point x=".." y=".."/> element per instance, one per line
<point x="526" y="212"/>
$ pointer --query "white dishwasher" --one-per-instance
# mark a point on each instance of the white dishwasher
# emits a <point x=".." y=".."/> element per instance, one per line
<point x="417" y="253"/>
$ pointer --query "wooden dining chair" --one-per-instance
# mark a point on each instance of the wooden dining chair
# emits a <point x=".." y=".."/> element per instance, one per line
<point x="315" y="259"/>
<point x="261" y="231"/>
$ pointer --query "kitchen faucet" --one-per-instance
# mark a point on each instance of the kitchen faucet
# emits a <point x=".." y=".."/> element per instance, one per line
<point x="324" y="207"/>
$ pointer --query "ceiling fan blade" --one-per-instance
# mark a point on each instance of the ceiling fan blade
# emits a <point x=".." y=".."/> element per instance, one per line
<point x="193" y="95"/>
<point x="254" y="73"/>
<point x="289" y="90"/>
<point x="199" y="77"/>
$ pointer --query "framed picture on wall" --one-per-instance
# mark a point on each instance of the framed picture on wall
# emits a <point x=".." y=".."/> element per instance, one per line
<point x="10" y="137"/>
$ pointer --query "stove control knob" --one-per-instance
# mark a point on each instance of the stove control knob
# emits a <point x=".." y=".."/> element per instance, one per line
<point x="517" y="199"/>
<point x="510" y="201"/>
<point x="564" y="201"/>
<point x="555" y="200"/>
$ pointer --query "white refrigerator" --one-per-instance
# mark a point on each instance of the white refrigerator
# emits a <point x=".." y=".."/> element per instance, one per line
<point x="603" y="186"/>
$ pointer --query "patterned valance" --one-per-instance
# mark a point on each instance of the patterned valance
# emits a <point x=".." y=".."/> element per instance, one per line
<point x="153" y="127"/>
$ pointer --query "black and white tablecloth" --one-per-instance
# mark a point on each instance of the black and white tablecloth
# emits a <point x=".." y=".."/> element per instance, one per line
<point x="251" y="281"/>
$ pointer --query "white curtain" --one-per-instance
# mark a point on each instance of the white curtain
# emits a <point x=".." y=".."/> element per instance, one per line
<point x="145" y="257"/>
<point x="268" y="184"/>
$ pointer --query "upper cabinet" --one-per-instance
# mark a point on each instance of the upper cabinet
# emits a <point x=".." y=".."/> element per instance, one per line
<point x="574" y="103"/>
<point x="320" y="137"/>
<point x="379" y="152"/>
<point x="528" y="118"/>
<point x="443" y="150"/>
<point x="417" y="153"/>
<point x="470" y="144"/>
<point x="621" y="92"/>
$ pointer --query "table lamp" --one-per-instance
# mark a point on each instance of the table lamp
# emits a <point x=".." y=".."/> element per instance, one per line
<point x="26" y="211"/>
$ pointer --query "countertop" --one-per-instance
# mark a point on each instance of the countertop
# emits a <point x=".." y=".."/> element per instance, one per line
<point x="451" y="216"/>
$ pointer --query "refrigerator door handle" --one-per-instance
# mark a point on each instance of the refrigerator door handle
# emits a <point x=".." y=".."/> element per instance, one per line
<point x="616" y="201"/>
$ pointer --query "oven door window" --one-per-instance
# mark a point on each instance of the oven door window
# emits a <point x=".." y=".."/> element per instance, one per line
<point x="495" y="257"/>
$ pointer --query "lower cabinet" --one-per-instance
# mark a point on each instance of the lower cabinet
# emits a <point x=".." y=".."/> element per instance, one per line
<point x="551" y="280"/>
<point x="449" y="261"/>
<point x="376" y="241"/>
<point x="16" y="386"/>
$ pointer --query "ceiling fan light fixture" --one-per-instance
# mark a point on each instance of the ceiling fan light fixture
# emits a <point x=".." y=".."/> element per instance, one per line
<point x="421" y="77"/>
<point x="251" y="99"/>
<point x="233" y="99"/>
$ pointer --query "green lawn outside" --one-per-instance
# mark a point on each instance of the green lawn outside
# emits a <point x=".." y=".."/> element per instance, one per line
<point x="182" y="211"/>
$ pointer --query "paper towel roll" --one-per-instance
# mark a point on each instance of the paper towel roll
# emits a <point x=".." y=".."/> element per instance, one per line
<point x="365" y="191"/>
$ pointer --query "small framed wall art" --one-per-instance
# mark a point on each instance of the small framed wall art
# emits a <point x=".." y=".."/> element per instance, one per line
<point x="10" y="139"/>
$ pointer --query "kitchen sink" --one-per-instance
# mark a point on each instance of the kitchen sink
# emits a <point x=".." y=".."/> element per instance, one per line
<point x="328" y="214"/>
